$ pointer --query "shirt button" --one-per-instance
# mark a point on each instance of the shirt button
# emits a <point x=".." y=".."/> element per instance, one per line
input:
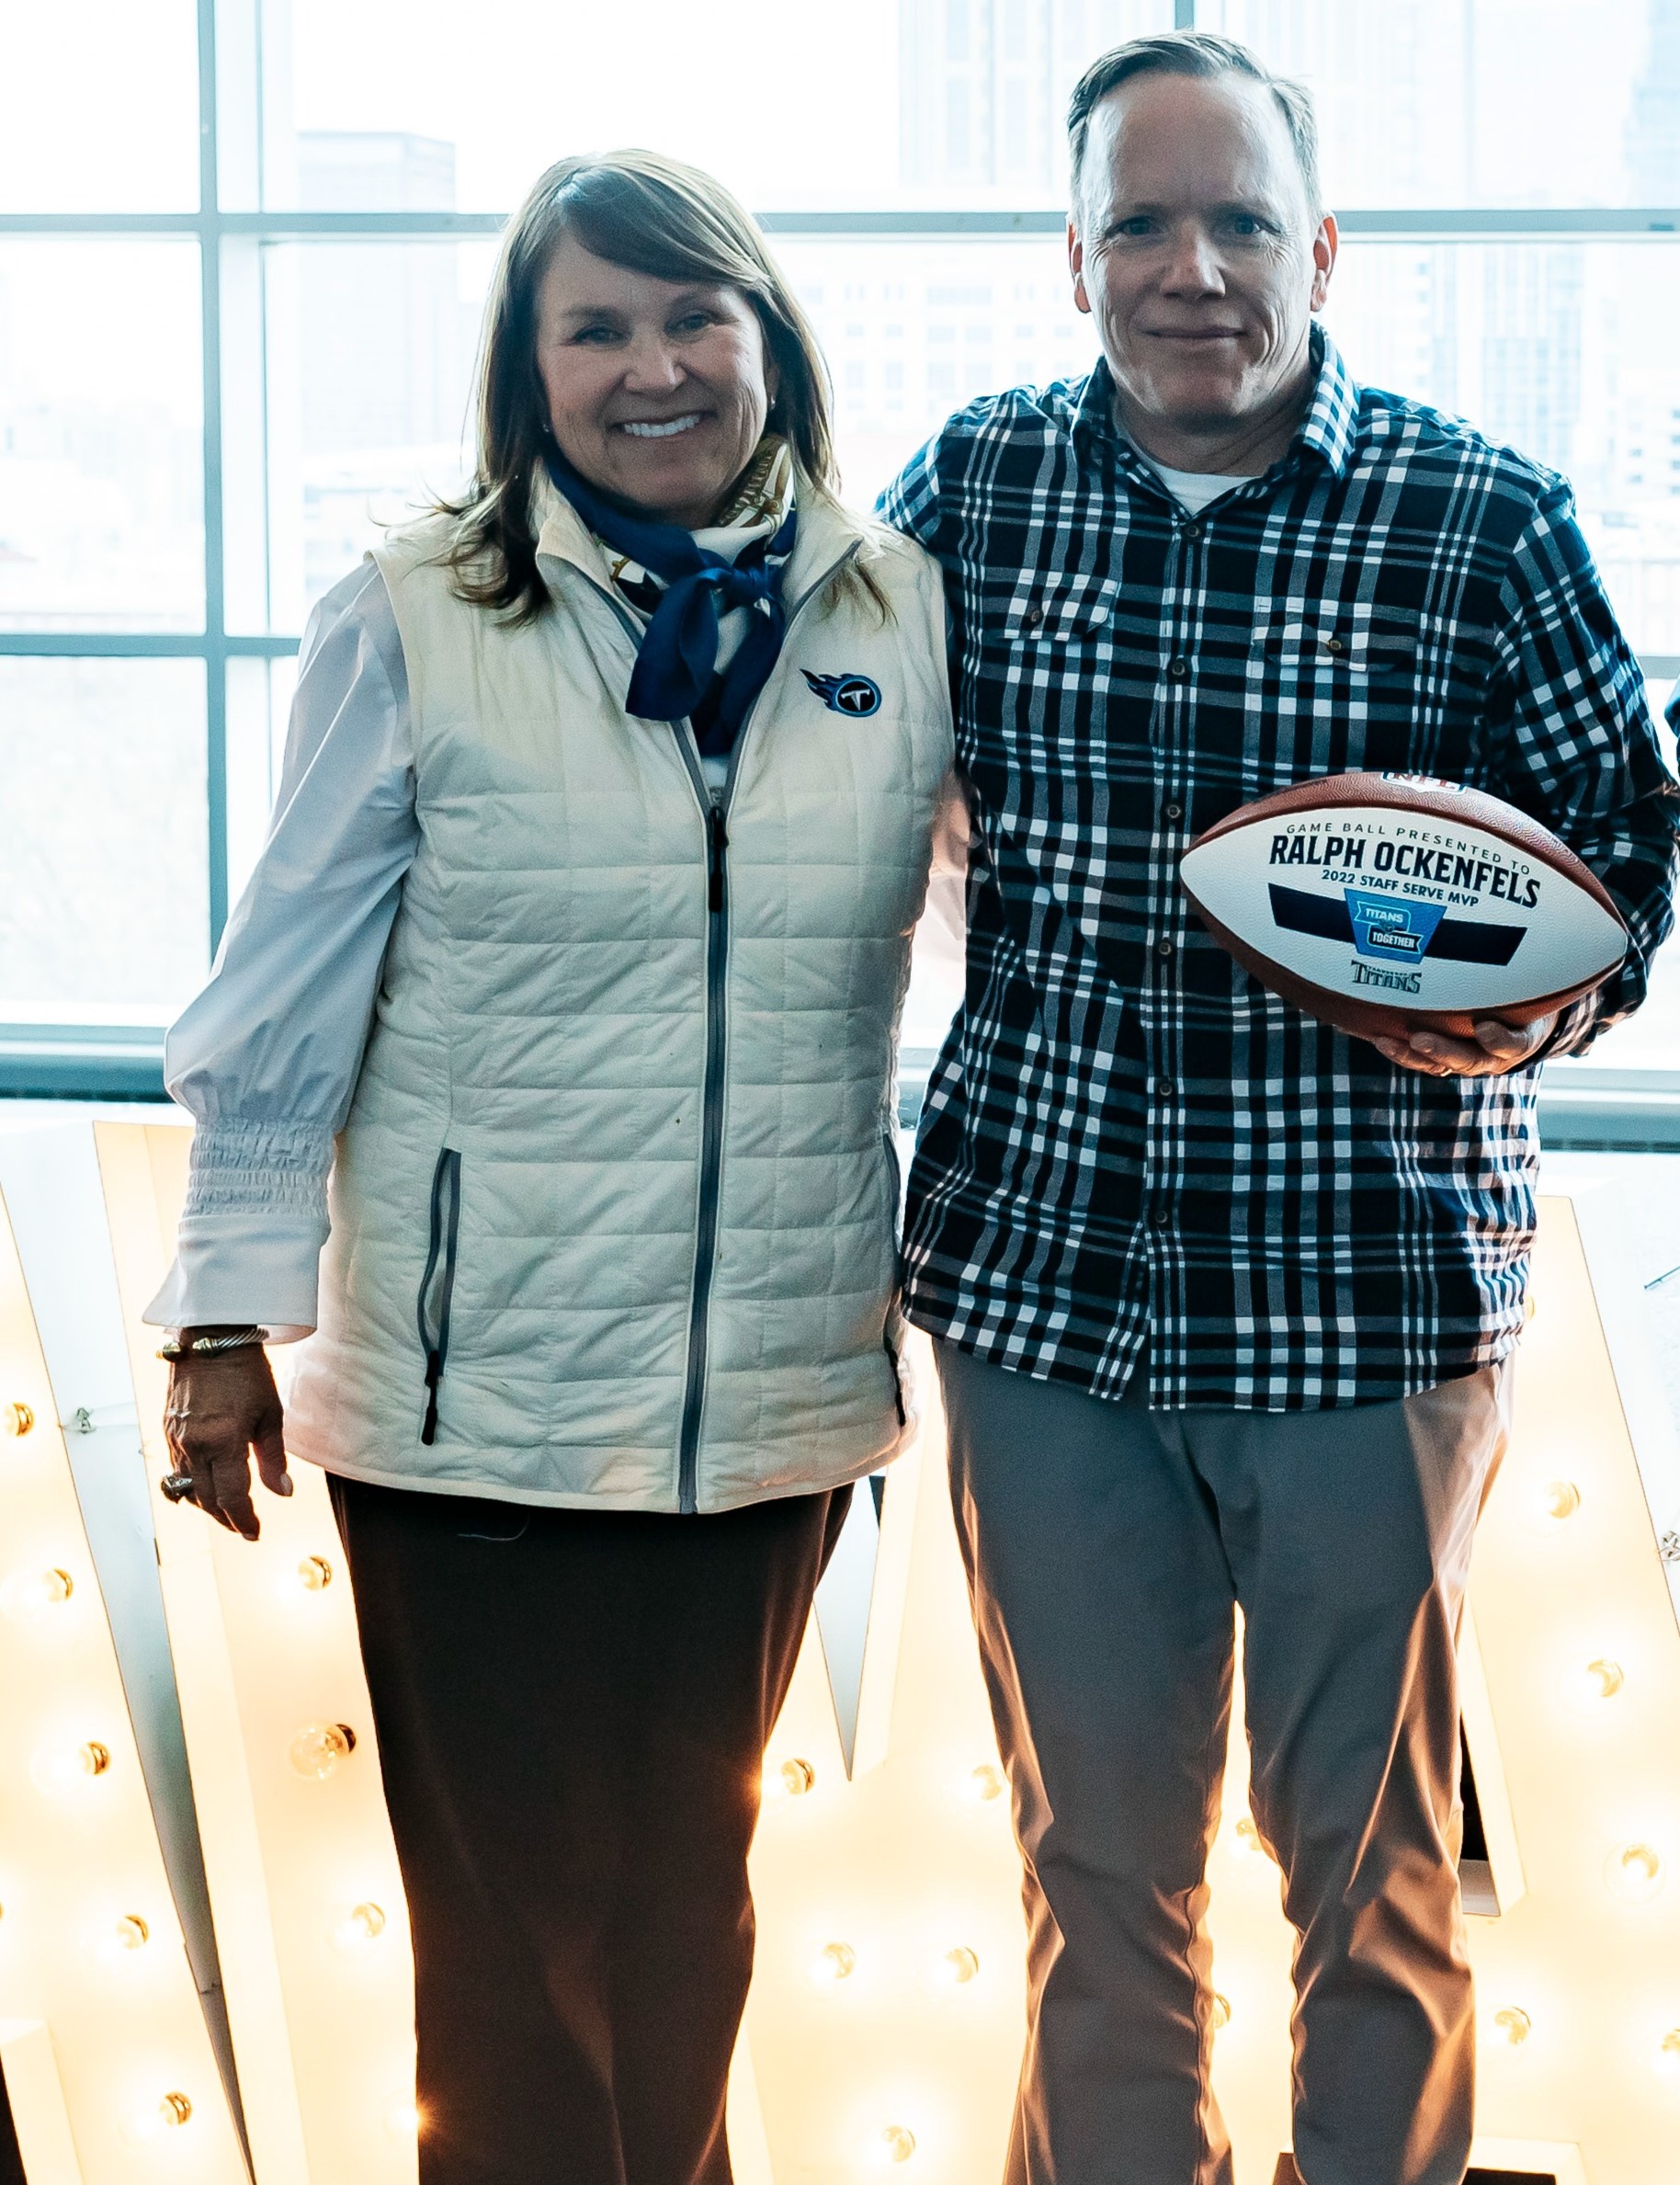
<point x="1161" y="1219"/>
<point x="1173" y="811"/>
<point x="1035" y="615"/>
<point x="1190" y="530"/>
<point x="1178" y="667"/>
<point x="1163" y="947"/>
<point x="1334" y="644"/>
<point x="1165" y="1089"/>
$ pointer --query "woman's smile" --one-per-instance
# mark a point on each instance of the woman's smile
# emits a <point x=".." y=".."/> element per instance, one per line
<point x="649" y="428"/>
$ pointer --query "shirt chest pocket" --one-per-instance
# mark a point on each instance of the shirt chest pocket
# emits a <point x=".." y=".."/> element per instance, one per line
<point x="1045" y="615"/>
<point x="1380" y="689"/>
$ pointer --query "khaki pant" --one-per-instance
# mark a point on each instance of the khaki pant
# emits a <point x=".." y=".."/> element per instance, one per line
<point x="1107" y="1545"/>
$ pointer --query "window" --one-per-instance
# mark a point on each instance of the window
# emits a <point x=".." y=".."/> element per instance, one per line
<point x="242" y="269"/>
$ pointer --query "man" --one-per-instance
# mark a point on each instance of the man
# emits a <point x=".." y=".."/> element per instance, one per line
<point x="1222" y="1299"/>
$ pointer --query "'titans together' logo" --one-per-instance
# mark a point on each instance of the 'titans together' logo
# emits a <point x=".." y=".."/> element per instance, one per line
<point x="855" y="695"/>
<point x="1397" y="906"/>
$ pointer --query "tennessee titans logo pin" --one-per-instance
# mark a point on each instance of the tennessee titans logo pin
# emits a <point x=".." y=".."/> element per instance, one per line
<point x="855" y="695"/>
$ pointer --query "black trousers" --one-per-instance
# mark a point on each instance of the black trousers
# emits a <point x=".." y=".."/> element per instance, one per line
<point x="571" y="1709"/>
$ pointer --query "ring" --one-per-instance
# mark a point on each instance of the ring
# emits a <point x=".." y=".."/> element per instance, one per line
<point x="177" y="1486"/>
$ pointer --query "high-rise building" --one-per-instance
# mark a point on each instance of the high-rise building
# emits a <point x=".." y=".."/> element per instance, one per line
<point x="382" y="349"/>
<point x="984" y="87"/>
<point x="1653" y="124"/>
<point x="1531" y="349"/>
<point x="385" y="347"/>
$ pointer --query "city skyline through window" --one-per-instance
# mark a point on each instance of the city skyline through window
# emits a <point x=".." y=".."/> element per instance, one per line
<point x="911" y="157"/>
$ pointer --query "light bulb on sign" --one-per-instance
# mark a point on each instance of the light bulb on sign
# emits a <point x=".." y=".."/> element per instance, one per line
<point x="314" y="1573"/>
<point x="318" y="1749"/>
<point x="836" y="1962"/>
<point x="363" y="1924"/>
<point x="130" y="1933"/>
<point x="169" y="2114"/>
<point x="898" y="2142"/>
<point x="1560" y="1498"/>
<point x="959" y="1966"/>
<point x="1635" y="1874"/>
<point x="986" y="1783"/>
<point x="64" y="1769"/>
<point x="16" y="1418"/>
<point x="1668" y="2053"/>
<point x="1248" y="1834"/>
<point x="1515" y="2025"/>
<point x="402" y="2119"/>
<point x="27" y="1594"/>
<point x="1219" y="2014"/>
<point x="1600" y="1679"/>
<point x="792" y="1778"/>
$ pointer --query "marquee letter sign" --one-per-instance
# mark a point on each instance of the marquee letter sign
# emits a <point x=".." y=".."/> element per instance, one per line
<point x="884" y="2031"/>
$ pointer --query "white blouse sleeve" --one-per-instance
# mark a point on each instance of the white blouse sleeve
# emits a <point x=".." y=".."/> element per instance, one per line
<point x="267" y="1057"/>
<point x="938" y="950"/>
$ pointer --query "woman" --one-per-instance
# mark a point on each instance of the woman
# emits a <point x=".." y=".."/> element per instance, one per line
<point x="576" y="952"/>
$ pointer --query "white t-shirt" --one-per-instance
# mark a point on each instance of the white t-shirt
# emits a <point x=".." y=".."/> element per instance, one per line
<point x="1195" y="489"/>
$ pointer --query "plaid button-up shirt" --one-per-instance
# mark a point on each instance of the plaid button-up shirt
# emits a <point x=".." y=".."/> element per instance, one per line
<point x="1130" y="1149"/>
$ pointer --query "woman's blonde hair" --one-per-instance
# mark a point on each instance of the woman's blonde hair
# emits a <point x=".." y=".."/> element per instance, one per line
<point x="652" y="215"/>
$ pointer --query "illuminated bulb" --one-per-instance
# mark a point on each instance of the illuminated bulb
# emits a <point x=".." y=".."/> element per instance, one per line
<point x="1249" y="1834"/>
<point x="314" y="1573"/>
<point x="130" y="1932"/>
<point x="1515" y="2024"/>
<point x="364" y="1924"/>
<point x="170" y="2114"/>
<point x="900" y="2143"/>
<point x="31" y="1593"/>
<point x="317" y="1750"/>
<point x="962" y="1965"/>
<point x="1219" y="2018"/>
<point x="986" y="1782"/>
<point x="797" y="1777"/>
<point x="1668" y="2053"/>
<point x="1602" y="1679"/>
<point x="16" y="1418"/>
<point x="67" y="1767"/>
<point x="837" y="1961"/>
<point x="403" y="2120"/>
<point x="1634" y="1873"/>
<point x="1561" y="1498"/>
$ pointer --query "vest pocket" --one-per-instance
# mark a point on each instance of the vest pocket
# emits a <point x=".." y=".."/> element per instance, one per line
<point x="437" y="1283"/>
<point x="892" y="1326"/>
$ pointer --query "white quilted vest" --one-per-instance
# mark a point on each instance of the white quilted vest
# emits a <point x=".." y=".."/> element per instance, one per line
<point x="613" y="1216"/>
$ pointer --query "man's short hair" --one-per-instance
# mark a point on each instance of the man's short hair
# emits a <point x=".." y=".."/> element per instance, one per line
<point x="1193" y="53"/>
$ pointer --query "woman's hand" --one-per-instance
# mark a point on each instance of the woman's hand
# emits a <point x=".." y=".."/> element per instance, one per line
<point x="1496" y="1049"/>
<point x="223" y="1405"/>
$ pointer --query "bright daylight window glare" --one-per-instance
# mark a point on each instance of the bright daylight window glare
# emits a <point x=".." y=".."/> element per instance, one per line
<point x="239" y="300"/>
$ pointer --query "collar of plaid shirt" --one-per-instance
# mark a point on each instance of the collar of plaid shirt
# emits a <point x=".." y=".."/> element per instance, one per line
<point x="1129" y="1151"/>
<point x="1327" y="431"/>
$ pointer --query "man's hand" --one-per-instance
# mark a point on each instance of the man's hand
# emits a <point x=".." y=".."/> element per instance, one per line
<point x="223" y="1405"/>
<point x="1496" y="1049"/>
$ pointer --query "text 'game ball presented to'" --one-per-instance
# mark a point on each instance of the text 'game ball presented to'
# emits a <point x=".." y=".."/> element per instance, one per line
<point x="1388" y="903"/>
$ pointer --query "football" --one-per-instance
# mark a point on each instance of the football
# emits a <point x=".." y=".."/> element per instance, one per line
<point x="1386" y="903"/>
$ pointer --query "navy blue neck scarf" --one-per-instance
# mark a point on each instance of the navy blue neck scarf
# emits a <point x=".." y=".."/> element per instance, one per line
<point x="677" y="668"/>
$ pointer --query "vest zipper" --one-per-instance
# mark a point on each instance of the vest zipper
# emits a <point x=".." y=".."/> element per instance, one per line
<point x="711" y="1158"/>
<point x="714" y="810"/>
<point x="445" y="1231"/>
